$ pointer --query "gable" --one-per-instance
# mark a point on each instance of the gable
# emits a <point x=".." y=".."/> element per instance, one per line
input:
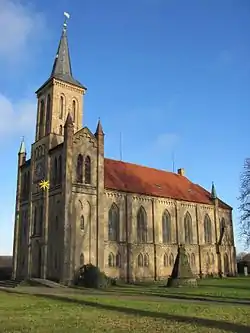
<point x="84" y="134"/>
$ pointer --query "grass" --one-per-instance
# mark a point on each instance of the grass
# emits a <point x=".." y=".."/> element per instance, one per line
<point x="235" y="289"/>
<point x="112" y="311"/>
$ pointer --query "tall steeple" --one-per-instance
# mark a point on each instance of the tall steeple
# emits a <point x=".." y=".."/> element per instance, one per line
<point x="62" y="65"/>
<point x="59" y="95"/>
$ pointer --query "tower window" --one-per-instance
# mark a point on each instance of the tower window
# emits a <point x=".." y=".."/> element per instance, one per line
<point x="61" y="109"/>
<point x="41" y="122"/>
<point x="48" y="114"/>
<point x="74" y="110"/>
<point x="60" y="130"/>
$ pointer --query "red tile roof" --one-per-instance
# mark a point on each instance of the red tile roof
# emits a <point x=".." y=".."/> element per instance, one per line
<point x="133" y="178"/>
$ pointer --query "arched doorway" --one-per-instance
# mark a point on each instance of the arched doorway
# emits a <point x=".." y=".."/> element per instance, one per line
<point x="226" y="264"/>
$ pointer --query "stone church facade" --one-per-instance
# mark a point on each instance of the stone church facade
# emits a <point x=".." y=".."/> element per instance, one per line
<point x="124" y="218"/>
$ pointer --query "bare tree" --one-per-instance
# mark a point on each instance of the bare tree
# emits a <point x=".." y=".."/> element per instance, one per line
<point x="245" y="203"/>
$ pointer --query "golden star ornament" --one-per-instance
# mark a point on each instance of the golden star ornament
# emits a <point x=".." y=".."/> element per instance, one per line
<point x="44" y="184"/>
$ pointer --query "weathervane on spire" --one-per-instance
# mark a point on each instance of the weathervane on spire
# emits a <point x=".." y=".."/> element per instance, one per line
<point x="67" y="16"/>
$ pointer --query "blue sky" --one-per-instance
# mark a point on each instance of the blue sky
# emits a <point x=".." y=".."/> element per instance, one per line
<point x="171" y="75"/>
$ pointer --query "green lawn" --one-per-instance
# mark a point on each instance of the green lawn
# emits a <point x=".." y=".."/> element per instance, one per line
<point x="125" y="309"/>
<point x="219" y="289"/>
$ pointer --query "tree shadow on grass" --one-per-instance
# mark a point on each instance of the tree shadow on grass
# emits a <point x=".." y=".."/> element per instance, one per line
<point x="177" y="296"/>
<point x="209" y="323"/>
<point x="244" y="287"/>
<point x="211" y="299"/>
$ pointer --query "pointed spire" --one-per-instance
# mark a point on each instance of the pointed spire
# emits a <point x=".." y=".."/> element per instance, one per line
<point x="99" y="130"/>
<point x="213" y="192"/>
<point x="22" y="149"/>
<point x="69" y="121"/>
<point x="62" y="65"/>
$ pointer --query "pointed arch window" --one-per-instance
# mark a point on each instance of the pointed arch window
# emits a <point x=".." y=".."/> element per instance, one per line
<point x="55" y="176"/>
<point x="79" y="169"/>
<point x="111" y="260"/>
<point x="207" y="229"/>
<point x="113" y="223"/>
<point x="42" y="115"/>
<point x="146" y="260"/>
<point x="82" y="223"/>
<point x="87" y="165"/>
<point x="141" y="225"/>
<point x="222" y="224"/>
<point x="171" y="259"/>
<point x="193" y="259"/>
<point x="61" y="108"/>
<point x="212" y="259"/>
<point x="59" y="169"/>
<point x="35" y="222"/>
<point x="74" y="110"/>
<point x="165" y="260"/>
<point x="166" y="227"/>
<point x="188" y="229"/>
<point x="48" y="114"/>
<point x="81" y="259"/>
<point x="140" y="260"/>
<point x="118" y="260"/>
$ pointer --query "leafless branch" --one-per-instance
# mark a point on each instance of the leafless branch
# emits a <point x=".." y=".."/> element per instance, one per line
<point x="244" y="199"/>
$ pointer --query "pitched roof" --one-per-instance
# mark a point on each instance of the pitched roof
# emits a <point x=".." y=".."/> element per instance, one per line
<point x="133" y="178"/>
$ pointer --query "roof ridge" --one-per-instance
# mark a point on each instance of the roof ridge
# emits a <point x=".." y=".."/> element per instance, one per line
<point x="148" y="167"/>
<point x="146" y="180"/>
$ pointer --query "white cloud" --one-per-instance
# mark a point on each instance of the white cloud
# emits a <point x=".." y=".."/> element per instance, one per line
<point x="17" y="118"/>
<point x="19" y="26"/>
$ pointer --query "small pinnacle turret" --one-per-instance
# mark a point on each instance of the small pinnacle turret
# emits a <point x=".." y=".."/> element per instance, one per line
<point x="22" y="149"/>
<point x="69" y="121"/>
<point x="99" y="130"/>
<point x="213" y="192"/>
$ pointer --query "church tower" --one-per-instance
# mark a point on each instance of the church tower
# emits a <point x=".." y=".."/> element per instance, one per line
<point x="58" y="96"/>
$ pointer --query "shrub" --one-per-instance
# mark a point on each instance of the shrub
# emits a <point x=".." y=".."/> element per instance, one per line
<point x="90" y="276"/>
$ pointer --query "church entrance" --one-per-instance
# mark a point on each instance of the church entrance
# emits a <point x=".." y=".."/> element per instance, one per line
<point x="37" y="260"/>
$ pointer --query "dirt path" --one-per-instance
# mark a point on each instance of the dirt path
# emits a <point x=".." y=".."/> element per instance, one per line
<point x="62" y="292"/>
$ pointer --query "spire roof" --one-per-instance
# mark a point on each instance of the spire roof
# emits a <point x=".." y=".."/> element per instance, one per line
<point x="213" y="191"/>
<point x="62" y="65"/>
<point x="22" y="149"/>
<point x="99" y="130"/>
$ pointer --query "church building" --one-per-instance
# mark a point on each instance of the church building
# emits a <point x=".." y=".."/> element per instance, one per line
<point x="127" y="219"/>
